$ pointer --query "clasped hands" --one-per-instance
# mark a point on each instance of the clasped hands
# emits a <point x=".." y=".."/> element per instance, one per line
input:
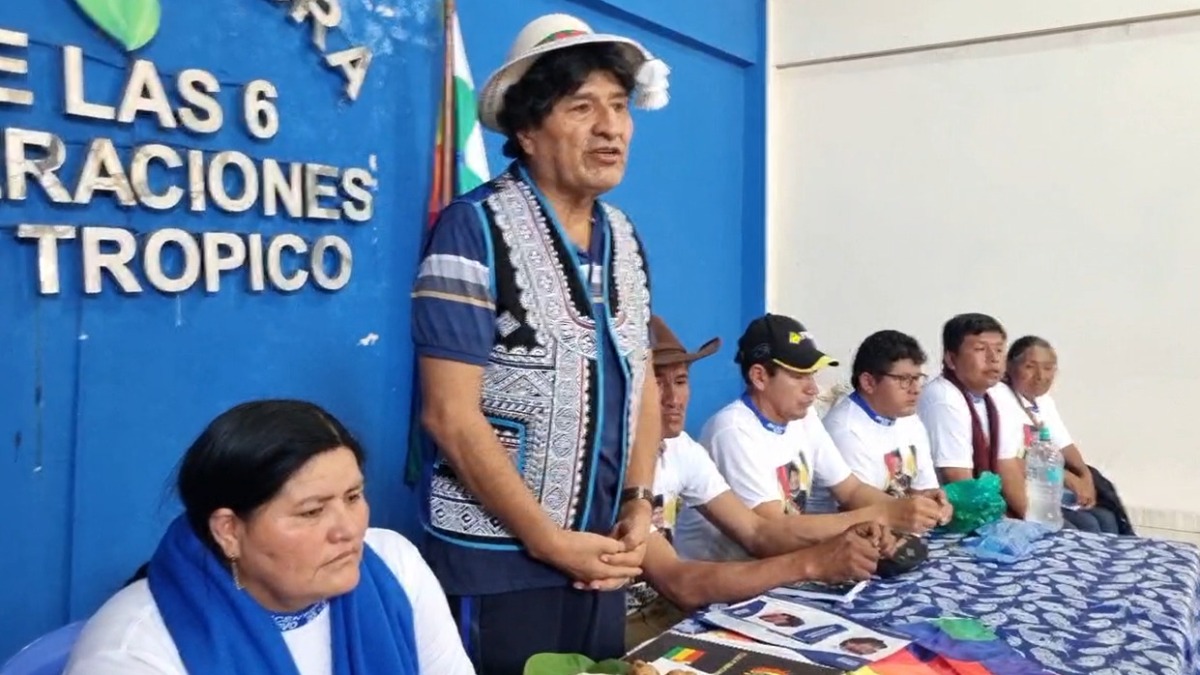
<point x="604" y="563"/>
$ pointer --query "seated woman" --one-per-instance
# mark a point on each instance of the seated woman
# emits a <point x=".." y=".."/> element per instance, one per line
<point x="272" y="568"/>
<point x="1032" y="365"/>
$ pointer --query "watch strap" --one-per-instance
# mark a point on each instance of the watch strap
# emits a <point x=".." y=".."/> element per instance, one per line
<point x="637" y="492"/>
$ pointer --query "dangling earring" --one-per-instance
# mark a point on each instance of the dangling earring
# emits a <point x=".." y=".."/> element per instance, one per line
<point x="237" y="582"/>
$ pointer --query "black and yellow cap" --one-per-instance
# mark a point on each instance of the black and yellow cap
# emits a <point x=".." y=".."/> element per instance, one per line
<point x="782" y="340"/>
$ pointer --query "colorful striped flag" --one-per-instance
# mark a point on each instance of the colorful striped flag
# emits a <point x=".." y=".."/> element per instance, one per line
<point x="459" y="160"/>
<point x="952" y="646"/>
<point x="459" y="165"/>
<point x="684" y="655"/>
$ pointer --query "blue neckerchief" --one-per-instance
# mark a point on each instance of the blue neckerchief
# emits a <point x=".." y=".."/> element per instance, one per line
<point x="879" y="419"/>
<point x="770" y="426"/>
<point x="218" y="628"/>
<point x="286" y="622"/>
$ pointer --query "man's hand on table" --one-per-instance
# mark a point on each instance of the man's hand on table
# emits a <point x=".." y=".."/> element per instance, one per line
<point x="880" y="535"/>
<point x="915" y="514"/>
<point x="850" y="556"/>
<point x="938" y="495"/>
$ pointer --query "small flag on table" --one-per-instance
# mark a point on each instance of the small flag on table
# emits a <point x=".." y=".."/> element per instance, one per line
<point x="952" y="646"/>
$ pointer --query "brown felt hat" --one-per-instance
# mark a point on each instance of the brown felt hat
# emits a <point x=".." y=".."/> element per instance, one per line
<point x="668" y="350"/>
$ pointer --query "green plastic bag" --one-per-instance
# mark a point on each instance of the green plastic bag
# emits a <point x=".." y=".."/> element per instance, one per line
<point x="976" y="503"/>
<point x="571" y="664"/>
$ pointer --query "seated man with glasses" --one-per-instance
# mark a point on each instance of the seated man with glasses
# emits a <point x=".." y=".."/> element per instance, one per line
<point x="876" y="428"/>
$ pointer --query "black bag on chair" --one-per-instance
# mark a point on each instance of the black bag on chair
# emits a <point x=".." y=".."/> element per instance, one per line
<point x="1107" y="497"/>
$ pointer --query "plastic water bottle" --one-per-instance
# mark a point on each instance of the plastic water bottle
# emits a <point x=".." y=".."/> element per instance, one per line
<point x="1044" y="482"/>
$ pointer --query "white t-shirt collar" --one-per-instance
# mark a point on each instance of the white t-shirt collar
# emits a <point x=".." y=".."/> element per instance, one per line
<point x="773" y="427"/>
<point x="879" y="419"/>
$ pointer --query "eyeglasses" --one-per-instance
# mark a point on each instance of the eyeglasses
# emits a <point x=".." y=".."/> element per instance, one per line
<point x="908" y="381"/>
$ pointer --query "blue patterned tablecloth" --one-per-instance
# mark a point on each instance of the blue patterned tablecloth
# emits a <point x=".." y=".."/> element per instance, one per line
<point x="1081" y="604"/>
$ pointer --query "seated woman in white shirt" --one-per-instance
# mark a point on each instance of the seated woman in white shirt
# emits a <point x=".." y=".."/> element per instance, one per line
<point x="1032" y="365"/>
<point x="272" y="568"/>
<point x="876" y="428"/>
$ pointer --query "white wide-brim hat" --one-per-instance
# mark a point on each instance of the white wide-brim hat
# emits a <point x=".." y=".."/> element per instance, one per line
<point x="559" y="31"/>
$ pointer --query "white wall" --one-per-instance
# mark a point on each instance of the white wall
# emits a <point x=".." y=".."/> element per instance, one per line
<point x="1048" y="180"/>
<point x="812" y="30"/>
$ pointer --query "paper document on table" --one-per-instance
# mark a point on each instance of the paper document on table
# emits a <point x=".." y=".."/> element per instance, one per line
<point x="674" y="652"/>
<point x="816" y="634"/>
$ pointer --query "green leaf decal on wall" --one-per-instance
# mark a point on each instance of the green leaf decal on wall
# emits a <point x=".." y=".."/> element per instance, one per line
<point x="133" y="23"/>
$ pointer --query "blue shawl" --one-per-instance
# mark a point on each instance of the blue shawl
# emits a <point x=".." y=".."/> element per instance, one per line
<point x="218" y="628"/>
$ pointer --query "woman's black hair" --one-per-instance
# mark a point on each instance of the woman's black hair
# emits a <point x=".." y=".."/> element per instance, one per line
<point x="1023" y="344"/>
<point x="246" y="455"/>
<point x="551" y="77"/>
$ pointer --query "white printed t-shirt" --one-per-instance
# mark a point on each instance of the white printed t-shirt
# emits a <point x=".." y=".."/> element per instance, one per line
<point x="1026" y="416"/>
<point x="762" y="462"/>
<point x="944" y="412"/>
<point x="127" y="635"/>
<point x="891" y="454"/>
<point x="685" y="479"/>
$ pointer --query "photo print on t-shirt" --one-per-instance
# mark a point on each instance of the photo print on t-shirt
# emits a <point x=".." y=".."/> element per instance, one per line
<point x="664" y="515"/>
<point x="795" y="480"/>
<point x="901" y="470"/>
<point x="1031" y="433"/>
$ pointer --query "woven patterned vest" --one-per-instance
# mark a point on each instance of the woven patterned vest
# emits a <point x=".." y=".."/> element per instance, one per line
<point x="542" y="387"/>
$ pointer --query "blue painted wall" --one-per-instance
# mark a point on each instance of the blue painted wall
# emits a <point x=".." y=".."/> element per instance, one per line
<point x="99" y="395"/>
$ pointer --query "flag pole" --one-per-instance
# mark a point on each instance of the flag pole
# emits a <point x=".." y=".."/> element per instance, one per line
<point x="440" y="194"/>
<point x="450" y="139"/>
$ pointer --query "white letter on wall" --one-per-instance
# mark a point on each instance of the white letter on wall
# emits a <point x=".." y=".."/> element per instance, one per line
<point x="275" y="265"/>
<point x="197" y="87"/>
<point x="117" y="264"/>
<point x="76" y="101"/>
<point x="345" y="262"/>
<point x="103" y="171"/>
<point x="139" y="174"/>
<point x="144" y="92"/>
<point x="223" y="251"/>
<point x="43" y="169"/>
<point x="216" y="181"/>
<point x="152" y="260"/>
<point x="16" y="66"/>
<point x="353" y="63"/>
<point x="47" y="238"/>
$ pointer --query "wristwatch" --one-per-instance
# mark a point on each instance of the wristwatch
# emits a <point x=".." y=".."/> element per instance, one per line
<point x="638" y="492"/>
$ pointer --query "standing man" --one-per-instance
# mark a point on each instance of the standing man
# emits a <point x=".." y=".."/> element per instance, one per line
<point x="530" y="319"/>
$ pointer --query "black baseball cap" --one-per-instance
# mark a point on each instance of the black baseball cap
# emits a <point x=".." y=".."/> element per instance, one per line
<point x="774" y="338"/>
